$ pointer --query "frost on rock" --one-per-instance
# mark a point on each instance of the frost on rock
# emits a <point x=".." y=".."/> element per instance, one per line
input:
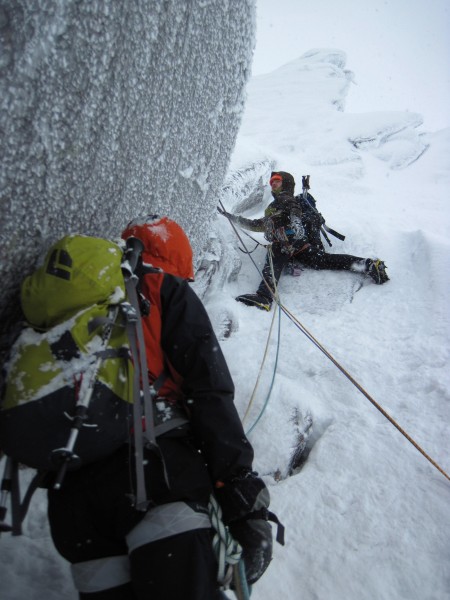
<point x="243" y="189"/>
<point x="111" y="110"/>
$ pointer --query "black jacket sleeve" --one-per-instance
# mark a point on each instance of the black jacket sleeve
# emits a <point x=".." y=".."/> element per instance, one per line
<point x="192" y="348"/>
<point x="249" y="224"/>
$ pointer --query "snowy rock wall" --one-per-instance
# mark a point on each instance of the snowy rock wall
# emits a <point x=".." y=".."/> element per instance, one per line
<point x="109" y="110"/>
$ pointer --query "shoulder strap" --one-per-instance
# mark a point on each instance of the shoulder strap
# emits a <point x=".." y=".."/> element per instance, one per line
<point x="333" y="232"/>
<point x="11" y="486"/>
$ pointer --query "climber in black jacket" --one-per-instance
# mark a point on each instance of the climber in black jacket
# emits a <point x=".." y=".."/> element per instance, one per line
<point x="292" y="225"/>
<point x="118" y="552"/>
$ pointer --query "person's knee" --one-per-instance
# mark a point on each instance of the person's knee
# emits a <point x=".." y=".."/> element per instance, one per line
<point x="165" y="521"/>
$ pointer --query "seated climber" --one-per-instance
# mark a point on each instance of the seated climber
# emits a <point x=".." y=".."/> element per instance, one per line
<point x="292" y="225"/>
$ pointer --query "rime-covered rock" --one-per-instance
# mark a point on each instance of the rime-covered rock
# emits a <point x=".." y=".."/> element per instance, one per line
<point x="109" y="110"/>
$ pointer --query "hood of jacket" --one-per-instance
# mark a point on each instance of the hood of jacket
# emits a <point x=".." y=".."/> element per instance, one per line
<point x="166" y="246"/>
<point x="287" y="180"/>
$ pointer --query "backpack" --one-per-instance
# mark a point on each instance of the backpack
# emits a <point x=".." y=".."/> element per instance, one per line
<point x="312" y="219"/>
<point x="74" y="372"/>
<point x="71" y="344"/>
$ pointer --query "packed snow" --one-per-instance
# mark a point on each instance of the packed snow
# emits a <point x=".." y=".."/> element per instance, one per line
<point x="366" y="514"/>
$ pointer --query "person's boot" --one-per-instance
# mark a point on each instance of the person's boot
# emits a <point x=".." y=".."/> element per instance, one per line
<point x="257" y="300"/>
<point x="376" y="269"/>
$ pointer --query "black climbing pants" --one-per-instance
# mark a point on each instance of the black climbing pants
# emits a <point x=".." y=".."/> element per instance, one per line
<point x="311" y="257"/>
<point x="119" y="553"/>
<point x="181" y="567"/>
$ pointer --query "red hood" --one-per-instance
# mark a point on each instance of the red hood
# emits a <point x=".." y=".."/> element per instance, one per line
<point x="166" y="246"/>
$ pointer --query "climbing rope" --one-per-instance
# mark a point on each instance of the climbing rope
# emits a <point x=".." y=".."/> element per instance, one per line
<point x="265" y="353"/>
<point x="242" y="589"/>
<point x="277" y="298"/>
<point x="228" y="554"/>
<point x="318" y="345"/>
<point x="252" y="397"/>
<point x="266" y="402"/>
<point x="309" y="335"/>
<point x="245" y="251"/>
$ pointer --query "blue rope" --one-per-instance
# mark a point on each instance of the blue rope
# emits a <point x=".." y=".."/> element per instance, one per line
<point x="243" y="591"/>
<point x="273" y="376"/>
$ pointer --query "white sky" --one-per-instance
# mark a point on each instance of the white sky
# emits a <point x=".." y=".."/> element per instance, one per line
<point x="399" y="50"/>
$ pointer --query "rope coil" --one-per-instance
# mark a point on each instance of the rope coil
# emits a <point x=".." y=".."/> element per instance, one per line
<point x="227" y="550"/>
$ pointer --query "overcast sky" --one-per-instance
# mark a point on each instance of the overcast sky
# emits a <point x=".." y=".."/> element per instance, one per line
<point x="399" y="50"/>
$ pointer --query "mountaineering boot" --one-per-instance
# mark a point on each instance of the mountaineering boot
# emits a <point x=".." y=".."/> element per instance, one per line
<point x="257" y="300"/>
<point x="377" y="270"/>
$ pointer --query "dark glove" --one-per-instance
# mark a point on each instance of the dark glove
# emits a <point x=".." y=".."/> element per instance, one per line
<point x="255" y="537"/>
<point x="241" y="495"/>
<point x="244" y="501"/>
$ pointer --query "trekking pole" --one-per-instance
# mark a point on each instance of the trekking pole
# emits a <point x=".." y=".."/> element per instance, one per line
<point x="305" y="186"/>
<point x="65" y="456"/>
<point x="324" y="228"/>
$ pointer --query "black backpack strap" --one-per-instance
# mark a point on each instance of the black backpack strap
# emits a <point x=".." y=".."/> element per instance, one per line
<point x="333" y="232"/>
<point x="15" y="499"/>
<point x="324" y="233"/>
<point x="10" y="487"/>
<point x="308" y="200"/>
<point x="133" y="318"/>
<point x="149" y="392"/>
<point x="268" y="515"/>
<point x="36" y="482"/>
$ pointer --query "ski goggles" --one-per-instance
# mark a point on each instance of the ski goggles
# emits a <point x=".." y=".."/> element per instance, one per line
<point x="275" y="177"/>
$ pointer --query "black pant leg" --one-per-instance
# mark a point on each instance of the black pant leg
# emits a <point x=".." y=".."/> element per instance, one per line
<point x="319" y="259"/>
<point x="279" y="261"/>
<point x="124" y="592"/>
<point x="180" y="567"/>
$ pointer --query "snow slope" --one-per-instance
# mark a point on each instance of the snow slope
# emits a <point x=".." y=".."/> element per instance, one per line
<point x="367" y="516"/>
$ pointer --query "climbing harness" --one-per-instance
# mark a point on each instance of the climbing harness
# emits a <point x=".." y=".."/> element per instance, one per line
<point x="303" y="329"/>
